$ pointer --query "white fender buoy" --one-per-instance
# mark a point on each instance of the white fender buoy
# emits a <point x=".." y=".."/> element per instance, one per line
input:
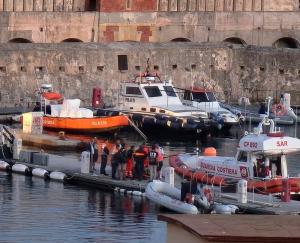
<point x="144" y="194"/>
<point x="116" y="189"/>
<point x="234" y="209"/>
<point x="58" y="176"/>
<point x="128" y="192"/>
<point x="4" y="165"/>
<point x="20" y="168"/>
<point x="39" y="172"/>
<point x="136" y="193"/>
<point x="122" y="190"/>
<point x="222" y="209"/>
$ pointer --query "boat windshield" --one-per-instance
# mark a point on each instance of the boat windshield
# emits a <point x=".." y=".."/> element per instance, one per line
<point x="132" y="90"/>
<point x="153" y="91"/>
<point x="204" y="96"/>
<point x="170" y="91"/>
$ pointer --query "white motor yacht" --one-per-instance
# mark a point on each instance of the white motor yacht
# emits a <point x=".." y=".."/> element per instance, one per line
<point x="153" y="103"/>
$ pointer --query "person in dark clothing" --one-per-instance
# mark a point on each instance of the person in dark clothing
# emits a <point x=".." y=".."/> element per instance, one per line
<point x="115" y="160"/>
<point x="129" y="162"/>
<point x="93" y="149"/>
<point x="139" y="157"/>
<point x="122" y="163"/>
<point x="104" y="155"/>
<point x="37" y="107"/>
<point x="152" y="162"/>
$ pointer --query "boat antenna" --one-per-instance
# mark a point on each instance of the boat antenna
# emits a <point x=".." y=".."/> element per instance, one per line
<point x="269" y="98"/>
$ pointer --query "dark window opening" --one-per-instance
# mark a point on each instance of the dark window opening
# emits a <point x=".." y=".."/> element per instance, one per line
<point x="100" y="68"/>
<point x="81" y="69"/>
<point x="3" y="69"/>
<point x="23" y="69"/>
<point x="133" y="91"/>
<point x="181" y="40"/>
<point x="91" y="5"/>
<point x="187" y="95"/>
<point x="193" y="66"/>
<point x="235" y="40"/>
<point x="286" y="42"/>
<point x="281" y="71"/>
<point x="143" y="109"/>
<point x="152" y="110"/>
<point x="153" y="91"/>
<point x="137" y="68"/>
<point x="262" y="69"/>
<point x="72" y="40"/>
<point x="162" y="111"/>
<point x="203" y="96"/>
<point x="174" y="66"/>
<point x="122" y="62"/>
<point x="242" y="67"/>
<point x="170" y="91"/>
<point x="156" y="67"/>
<point x="242" y="157"/>
<point x="39" y="69"/>
<point x="61" y="68"/>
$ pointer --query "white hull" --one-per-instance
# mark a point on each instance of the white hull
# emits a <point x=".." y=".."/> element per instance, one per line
<point x="165" y="195"/>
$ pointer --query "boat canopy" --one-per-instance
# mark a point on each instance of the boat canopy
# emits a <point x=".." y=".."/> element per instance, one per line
<point x="52" y="96"/>
<point x="269" y="144"/>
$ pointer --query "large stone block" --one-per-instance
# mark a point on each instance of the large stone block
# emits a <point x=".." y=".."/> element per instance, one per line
<point x="18" y="5"/>
<point x="28" y="5"/>
<point x="238" y="5"/>
<point x="8" y="5"/>
<point x="48" y="5"/>
<point x="210" y="5"/>
<point x="228" y="5"/>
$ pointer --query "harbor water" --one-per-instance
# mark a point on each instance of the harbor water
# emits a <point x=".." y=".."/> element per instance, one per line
<point x="34" y="210"/>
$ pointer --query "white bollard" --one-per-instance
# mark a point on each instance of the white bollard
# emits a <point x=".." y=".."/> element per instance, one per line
<point x="242" y="191"/>
<point x="17" y="147"/>
<point x="85" y="162"/>
<point x="168" y="175"/>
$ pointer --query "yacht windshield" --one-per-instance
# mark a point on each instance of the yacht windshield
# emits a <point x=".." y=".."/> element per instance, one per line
<point x="203" y="96"/>
<point x="170" y="91"/>
<point x="153" y="91"/>
<point x="133" y="90"/>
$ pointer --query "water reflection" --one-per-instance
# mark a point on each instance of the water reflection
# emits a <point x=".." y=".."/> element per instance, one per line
<point x="33" y="210"/>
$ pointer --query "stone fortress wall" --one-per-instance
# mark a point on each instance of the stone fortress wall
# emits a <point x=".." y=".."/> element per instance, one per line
<point x="39" y="45"/>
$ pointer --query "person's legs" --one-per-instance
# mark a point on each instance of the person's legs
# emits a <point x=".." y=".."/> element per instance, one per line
<point x="103" y="165"/>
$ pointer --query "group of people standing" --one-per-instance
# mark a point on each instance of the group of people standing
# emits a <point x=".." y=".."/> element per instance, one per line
<point x="127" y="161"/>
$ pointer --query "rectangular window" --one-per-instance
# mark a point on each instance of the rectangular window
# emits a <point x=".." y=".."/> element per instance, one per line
<point x="122" y="62"/>
<point x="200" y="97"/>
<point x="170" y="91"/>
<point x="187" y="95"/>
<point x="91" y="5"/>
<point x="133" y="91"/>
<point x="152" y="110"/>
<point x="153" y="91"/>
<point x="128" y="4"/>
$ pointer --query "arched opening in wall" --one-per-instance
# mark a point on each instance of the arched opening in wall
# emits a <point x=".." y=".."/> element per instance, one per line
<point x="72" y="40"/>
<point x="286" y="42"/>
<point x="235" y="40"/>
<point x="19" y="40"/>
<point x="181" y="40"/>
<point x="91" y="5"/>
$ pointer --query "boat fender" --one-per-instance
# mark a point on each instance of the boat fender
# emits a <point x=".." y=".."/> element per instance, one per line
<point x="122" y="190"/>
<point x="222" y="209"/>
<point x="136" y="193"/>
<point x="39" y="172"/>
<point x="129" y="192"/>
<point x="4" y="165"/>
<point x="20" y="168"/>
<point x="116" y="189"/>
<point x="144" y="194"/>
<point x="58" y="176"/>
<point x="234" y="209"/>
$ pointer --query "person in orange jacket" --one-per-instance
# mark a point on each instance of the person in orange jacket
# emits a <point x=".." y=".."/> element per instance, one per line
<point x="129" y="162"/>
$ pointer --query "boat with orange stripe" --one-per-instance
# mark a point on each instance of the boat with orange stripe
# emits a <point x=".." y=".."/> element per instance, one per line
<point x="261" y="159"/>
<point x="66" y="115"/>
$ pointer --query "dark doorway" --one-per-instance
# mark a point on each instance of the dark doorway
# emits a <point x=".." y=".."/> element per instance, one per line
<point x="122" y="62"/>
<point x="19" y="40"/>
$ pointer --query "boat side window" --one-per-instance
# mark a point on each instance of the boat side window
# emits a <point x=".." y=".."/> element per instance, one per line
<point x="211" y="97"/>
<point x="153" y="91"/>
<point x="169" y="91"/>
<point x="187" y="95"/>
<point x="133" y="90"/>
<point x="152" y="110"/>
<point x="200" y="97"/>
<point x="242" y="156"/>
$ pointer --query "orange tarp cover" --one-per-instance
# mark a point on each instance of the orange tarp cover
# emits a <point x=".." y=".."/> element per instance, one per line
<point x="52" y="96"/>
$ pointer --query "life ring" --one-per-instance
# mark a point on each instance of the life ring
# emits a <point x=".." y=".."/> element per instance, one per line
<point x="278" y="110"/>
